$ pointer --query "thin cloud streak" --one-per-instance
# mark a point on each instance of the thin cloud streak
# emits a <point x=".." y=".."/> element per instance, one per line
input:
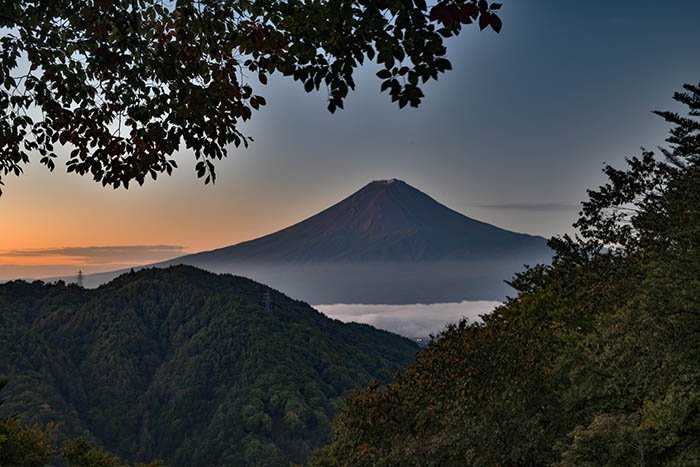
<point x="538" y="207"/>
<point x="100" y="254"/>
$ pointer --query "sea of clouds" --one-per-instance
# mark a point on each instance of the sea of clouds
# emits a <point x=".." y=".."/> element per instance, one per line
<point x="415" y="320"/>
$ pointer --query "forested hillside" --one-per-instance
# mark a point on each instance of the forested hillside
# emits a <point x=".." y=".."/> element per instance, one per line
<point x="184" y="365"/>
<point x="596" y="361"/>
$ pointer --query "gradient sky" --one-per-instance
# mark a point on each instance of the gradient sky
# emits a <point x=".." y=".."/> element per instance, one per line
<point x="513" y="136"/>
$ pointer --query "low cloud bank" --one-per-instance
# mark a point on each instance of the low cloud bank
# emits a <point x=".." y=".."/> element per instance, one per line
<point x="52" y="263"/>
<point x="538" y="207"/>
<point x="416" y="320"/>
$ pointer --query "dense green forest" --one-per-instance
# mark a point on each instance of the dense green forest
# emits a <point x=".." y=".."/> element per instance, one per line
<point x="181" y="365"/>
<point x="24" y="445"/>
<point x="596" y="361"/>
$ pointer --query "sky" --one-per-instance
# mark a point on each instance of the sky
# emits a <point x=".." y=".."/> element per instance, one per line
<point x="513" y="136"/>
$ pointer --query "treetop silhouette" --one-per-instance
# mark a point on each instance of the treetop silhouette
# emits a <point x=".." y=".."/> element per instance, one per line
<point x="122" y="84"/>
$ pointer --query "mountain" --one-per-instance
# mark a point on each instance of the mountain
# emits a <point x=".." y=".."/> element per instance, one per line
<point x="185" y="365"/>
<point x="386" y="221"/>
<point x="387" y="243"/>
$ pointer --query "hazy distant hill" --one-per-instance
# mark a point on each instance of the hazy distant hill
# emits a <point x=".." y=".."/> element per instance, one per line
<point x="185" y="365"/>
<point x="387" y="243"/>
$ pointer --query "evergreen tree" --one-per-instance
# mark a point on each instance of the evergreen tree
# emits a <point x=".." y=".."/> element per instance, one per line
<point x="596" y="361"/>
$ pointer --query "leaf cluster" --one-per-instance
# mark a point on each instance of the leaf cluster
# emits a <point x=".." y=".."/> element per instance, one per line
<point x="121" y="85"/>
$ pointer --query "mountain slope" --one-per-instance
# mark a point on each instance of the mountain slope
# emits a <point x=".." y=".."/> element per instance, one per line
<point x="185" y="365"/>
<point x="387" y="220"/>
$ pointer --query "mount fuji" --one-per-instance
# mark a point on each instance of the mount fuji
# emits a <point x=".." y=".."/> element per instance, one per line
<point x="387" y="243"/>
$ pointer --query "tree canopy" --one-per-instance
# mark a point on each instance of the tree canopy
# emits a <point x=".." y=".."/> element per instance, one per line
<point x="594" y="362"/>
<point x="123" y="84"/>
<point x="34" y="446"/>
